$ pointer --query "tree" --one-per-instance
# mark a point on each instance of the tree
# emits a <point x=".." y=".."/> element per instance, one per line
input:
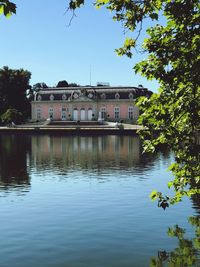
<point x="39" y="86"/>
<point x="62" y="84"/>
<point x="7" y="8"/>
<point x="171" y="116"/>
<point x="12" y="115"/>
<point x="73" y="85"/>
<point x="31" y="90"/>
<point x="13" y="86"/>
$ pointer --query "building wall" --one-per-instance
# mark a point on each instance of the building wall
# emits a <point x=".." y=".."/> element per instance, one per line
<point x="59" y="106"/>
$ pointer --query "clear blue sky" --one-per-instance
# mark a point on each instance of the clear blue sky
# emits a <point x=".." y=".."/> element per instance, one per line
<point x="38" y="39"/>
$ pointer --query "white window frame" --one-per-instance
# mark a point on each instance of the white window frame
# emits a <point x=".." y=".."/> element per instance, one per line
<point x="117" y="113"/>
<point x="51" y="113"/>
<point x="38" y="113"/>
<point x="130" y="112"/>
<point x="103" y="112"/>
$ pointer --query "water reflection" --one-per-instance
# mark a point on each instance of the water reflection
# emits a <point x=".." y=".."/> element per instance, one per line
<point x="19" y="155"/>
<point x="187" y="253"/>
<point x="13" y="162"/>
<point x="71" y="213"/>
<point x="99" y="153"/>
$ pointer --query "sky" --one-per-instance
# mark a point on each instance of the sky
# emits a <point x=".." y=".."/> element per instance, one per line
<point x="39" y="39"/>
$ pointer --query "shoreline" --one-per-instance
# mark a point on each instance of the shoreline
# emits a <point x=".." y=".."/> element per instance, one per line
<point x="122" y="129"/>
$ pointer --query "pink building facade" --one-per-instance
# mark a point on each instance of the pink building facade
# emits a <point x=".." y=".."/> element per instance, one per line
<point x="87" y="103"/>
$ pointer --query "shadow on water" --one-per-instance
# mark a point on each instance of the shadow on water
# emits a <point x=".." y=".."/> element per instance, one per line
<point x="13" y="162"/>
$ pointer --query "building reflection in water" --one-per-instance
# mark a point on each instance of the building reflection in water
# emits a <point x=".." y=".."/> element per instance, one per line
<point x="20" y="155"/>
<point x="99" y="152"/>
<point x="14" y="152"/>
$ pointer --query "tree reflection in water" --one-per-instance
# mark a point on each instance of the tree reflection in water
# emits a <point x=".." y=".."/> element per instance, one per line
<point x="187" y="253"/>
<point x="14" y="151"/>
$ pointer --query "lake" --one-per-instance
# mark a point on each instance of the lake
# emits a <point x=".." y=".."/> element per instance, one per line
<point x="84" y="201"/>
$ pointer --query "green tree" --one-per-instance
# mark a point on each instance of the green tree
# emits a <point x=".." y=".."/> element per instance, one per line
<point x="39" y="86"/>
<point x="62" y="84"/>
<point x="12" y="115"/>
<point x="13" y="87"/>
<point x="171" y="116"/>
<point x="7" y="8"/>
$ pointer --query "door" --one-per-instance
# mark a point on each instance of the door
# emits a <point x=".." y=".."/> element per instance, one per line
<point x="89" y="114"/>
<point x="75" y="114"/>
<point x="82" y="114"/>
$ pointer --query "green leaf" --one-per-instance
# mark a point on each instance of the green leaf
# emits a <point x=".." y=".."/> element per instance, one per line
<point x="153" y="195"/>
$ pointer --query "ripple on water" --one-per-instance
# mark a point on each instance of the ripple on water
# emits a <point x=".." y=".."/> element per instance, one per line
<point x="83" y="202"/>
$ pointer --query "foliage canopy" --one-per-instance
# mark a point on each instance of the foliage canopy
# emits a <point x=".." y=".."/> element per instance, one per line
<point x="171" y="116"/>
<point x="13" y="87"/>
<point x="7" y="8"/>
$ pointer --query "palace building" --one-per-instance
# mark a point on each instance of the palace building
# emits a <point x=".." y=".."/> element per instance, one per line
<point x="86" y="103"/>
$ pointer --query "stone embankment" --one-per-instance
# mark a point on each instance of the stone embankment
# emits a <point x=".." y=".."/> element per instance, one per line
<point x="73" y="128"/>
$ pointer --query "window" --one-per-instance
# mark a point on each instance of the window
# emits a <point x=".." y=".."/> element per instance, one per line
<point x="103" y="96"/>
<point x="117" y="96"/>
<point x="117" y="113"/>
<point x="130" y="113"/>
<point x="103" y="113"/>
<point x="64" y="114"/>
<point x="51" y="97"/>
<point x="75" y="95"/>
<point x="131" y="96"/>
<point x="38" y="114"/>
<point x="90" y="95"/>
<point x="39" y="98"/>
<point x="51" y="111"/>
<point x="64" y="97"/>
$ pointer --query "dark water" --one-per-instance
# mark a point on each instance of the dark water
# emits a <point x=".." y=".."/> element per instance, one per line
<point x="84" y="201"/>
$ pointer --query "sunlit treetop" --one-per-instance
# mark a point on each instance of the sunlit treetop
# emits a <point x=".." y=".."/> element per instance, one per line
<point x="172" y="116"/>
<point x="7" y="8"/>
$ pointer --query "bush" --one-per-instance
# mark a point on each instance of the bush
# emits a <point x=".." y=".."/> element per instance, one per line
<point x="12" y="115"/>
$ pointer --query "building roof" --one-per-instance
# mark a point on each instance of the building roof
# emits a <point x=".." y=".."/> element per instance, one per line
<point x="91" y="92"/>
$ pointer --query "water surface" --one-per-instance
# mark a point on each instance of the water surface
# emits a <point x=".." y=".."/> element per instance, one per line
<point x="83" y="201"/>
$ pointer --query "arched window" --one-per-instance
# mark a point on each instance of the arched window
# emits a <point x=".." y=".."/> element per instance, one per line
<point x="90" y="114"/>
<point x="83" y="117"/>
<point x="39" y="98"/>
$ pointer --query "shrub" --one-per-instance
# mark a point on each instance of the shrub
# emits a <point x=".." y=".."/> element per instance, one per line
<point x="12" y="115"/>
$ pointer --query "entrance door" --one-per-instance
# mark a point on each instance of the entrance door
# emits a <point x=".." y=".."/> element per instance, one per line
<point x="89" y="114"/>
<point x="75" y="114"/>
<point x="82" y="114"/>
